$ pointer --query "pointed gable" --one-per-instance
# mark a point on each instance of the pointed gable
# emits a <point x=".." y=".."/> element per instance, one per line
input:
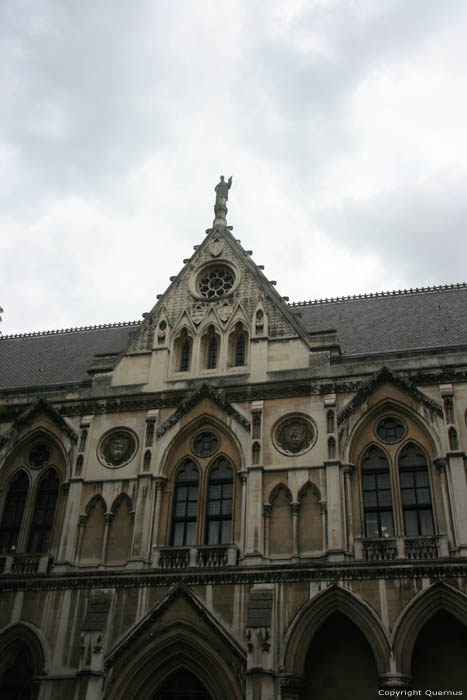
<point x="218" y="277"/>
<point x="205" y="391"/>
<point x="371" y="385"/>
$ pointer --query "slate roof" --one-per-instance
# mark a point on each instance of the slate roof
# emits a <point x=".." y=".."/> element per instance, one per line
<point x="60" y="357"/>
<point x="387" y="322"/>
<point x="395" y="321"/>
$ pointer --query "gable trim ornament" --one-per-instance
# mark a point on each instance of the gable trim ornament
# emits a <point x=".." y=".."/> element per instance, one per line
<point x="205" y="391"/>
<point x="27" y="417"/>
<point x="371" y="385"/>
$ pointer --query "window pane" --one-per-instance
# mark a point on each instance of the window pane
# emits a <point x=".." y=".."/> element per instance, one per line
<point x="227" y="507"/>
<point x="426" y="522"/>
<point x="226" y="537"/>
<point x="369" y="481"/>
<point x="371" y="525"/>
<point x="407" y="479"/>
<point x="178" y="534"/>
<point x="408" y="497"/>
<point x="190" y="533"/>
<point x="383" y="481"/>
<point x="384" y="498"/>
<point x="421" y="478"/>
<point x="213" y="532"/>
<point x="215" y="491"/>
<point x="423" y="496"/>
<point x="369" y="499"/>
<point x="214" y="507"/>
<point x="387" y="527"/>
<point x="411" y="525"/>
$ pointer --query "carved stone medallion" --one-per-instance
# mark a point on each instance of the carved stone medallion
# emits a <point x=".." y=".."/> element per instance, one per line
<point x="216" y="246"/>
<point x="294" y="435"/>
<point x="117" y="448"/>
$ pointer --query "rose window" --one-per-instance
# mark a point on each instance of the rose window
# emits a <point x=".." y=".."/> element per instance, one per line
<point x="216" y="282"/>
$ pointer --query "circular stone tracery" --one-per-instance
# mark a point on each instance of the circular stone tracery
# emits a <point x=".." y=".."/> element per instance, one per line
<point x="39" y="455"/>
<point x="205" y="444"/>
<point x="390" y="429"/>
<point x="216" y="281"/>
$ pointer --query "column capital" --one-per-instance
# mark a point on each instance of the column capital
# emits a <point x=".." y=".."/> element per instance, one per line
<point x="441" y="464"/>
<point x="160" y="481"/>
<point x="295" y="508"/>
<point x="243" y="476"/>
<point x="267" y="509"/>
<point x="348" y="470"/>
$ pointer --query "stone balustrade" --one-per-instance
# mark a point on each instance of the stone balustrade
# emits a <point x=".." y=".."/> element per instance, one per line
<point x="399" y="548"/>
<point x="25" y="564"/>
<point x="202" y="557"/>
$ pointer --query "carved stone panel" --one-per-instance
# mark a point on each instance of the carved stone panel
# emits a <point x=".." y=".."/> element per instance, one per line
<point x="117" y="448"/>
<point x="294" y="434"/>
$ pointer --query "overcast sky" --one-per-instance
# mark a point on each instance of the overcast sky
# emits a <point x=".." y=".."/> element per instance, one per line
<point x="343" y="123"/>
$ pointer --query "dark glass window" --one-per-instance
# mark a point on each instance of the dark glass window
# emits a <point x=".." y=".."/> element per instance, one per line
<point x="212" y="354"/>
<point x="44" y="511"/>
<point x="390" y="430"/>
<point x="219" y="507"/>
<point x="13" y="512"/>
<point x="185" y="507"/>
<point x="415" y="492"/>
<point x="377" y="497"/>
<point x="240" y="354"/>
<point x="205" y="444"/>
<point x="185" y="354"/>
<point x="16" y="682"/>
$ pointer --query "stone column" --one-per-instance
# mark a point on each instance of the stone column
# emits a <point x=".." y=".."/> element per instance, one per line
<point x="80" y="535"/>
<point x="324" y="526"/>
<point x="335" y="525"/>
<point x="295" y="507"/>
<point x="254" y="515"/>
<point x="394" y="681"/>
<point x="458" y="492"/>
<point x="243" y="476"/>
<point x="105" y="542"/>
<point x="160" y="482"/>
<point x="348" y="470"/>
<point x="267" y="509"/>
<point x="441" y="466"/>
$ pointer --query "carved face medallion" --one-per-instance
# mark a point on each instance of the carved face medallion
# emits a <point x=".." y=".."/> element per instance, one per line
<point x="294" y="435"/>
<point x="117" y="448"/>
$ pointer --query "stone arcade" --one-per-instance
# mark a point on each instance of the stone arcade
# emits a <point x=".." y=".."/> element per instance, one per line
<point x="237" y="497"/>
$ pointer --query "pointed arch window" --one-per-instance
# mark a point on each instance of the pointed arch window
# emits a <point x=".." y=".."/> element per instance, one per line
<point x="44" y="512"/>
<point x="415" y="492"/>
<point x="212" y="353"/>
<point x="185" y="356"/>
<point x="13" y="512"/>
<point x="185" y="506"/>
<point x="240" y="354"/>
<point x="377" y="496"/>
<point x="219" y="505"/>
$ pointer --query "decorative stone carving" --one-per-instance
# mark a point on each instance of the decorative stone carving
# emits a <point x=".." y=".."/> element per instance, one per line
<point x="216" y="246"/>
<point x="117" y="448"/>
<point x="294" y="435"/>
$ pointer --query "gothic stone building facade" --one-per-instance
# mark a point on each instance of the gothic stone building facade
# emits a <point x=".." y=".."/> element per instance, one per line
<point x="237" y="497"/>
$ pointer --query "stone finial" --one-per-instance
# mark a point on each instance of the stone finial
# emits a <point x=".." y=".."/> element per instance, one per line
<point x="222" y="195"/>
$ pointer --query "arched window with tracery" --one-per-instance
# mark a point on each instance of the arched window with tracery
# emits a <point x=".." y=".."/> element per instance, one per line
<point x="13" y="512"/>
<point x="185" y="505"/>
<point x="219" y="504"/>
<point x="415" y="492"/>
<point x="212" y="353"/>
<point x="185" y="356"/>
<point x="44" y="512"/>
<point x="377" y="496"/>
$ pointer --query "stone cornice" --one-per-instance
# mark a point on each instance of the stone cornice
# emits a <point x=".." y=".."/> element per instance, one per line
<point x="251" y="575"/>
<point x="254" y="392"/>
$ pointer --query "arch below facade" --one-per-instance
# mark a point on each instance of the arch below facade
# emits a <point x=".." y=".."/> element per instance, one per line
<point x="18" y="635"/>
<point x="311" y="616"/>
<point x="179" y="647"/>
<point x="440" y="596"/>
